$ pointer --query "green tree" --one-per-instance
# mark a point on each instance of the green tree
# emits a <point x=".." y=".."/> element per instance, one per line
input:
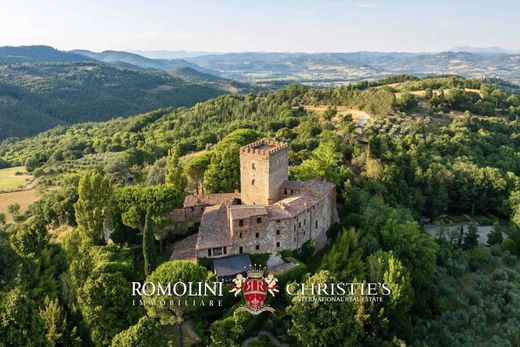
<point x="417" y="250"/>
<point x="471" y="237"/>
<point x="94" y="207"/>
<point x="223" y="173"/>
<point x="150" y="257"/>
<point x="495" y="235"/>
<point x="322" y="324"/>
<point x="2" y="219"/>
<point x="29" y="238"/>
<point x="14" y="209"/>
<point x="104" y="303"/>
<point x="174" y="172"/>
<point x="344" y="259"/>
<point x="20" y="323"/>
<point x="55" y="321"/>
<point x="391" y="318"/>
<point x="171" y="272"/>
<point x="195" y="169"/>
<point x="147" y="332"/>
<point x="326" y="162"/>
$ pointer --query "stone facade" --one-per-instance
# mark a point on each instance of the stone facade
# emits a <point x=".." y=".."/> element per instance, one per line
<point x="270" y="214"/>
<point x="264" y="166"/>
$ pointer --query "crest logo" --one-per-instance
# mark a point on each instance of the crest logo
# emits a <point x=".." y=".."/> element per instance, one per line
<point x="255" y="288"/>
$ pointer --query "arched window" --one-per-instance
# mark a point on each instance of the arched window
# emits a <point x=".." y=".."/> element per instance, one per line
<point x="252" y="182"/>
<point x="253" y="166"/>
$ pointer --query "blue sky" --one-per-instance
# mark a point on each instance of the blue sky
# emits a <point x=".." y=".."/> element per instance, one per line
<point x="229" y="25"/>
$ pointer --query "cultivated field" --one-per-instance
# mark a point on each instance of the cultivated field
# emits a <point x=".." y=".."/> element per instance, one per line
<point x="16" y="189"/>
<point x="24" y="197"/>
<point x="9" y="180"/>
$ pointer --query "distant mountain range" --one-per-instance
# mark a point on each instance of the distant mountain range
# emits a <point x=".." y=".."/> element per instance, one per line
<point x="338" y="68"/>
<point x="41" y="87"/>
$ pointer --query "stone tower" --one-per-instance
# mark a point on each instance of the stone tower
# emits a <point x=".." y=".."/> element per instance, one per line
<point x="264" y="166"/>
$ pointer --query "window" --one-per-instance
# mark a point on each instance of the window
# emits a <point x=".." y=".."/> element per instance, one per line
<point x="304" y="221"/>
<point x="277" y="244"/>
<point x="277" y="232"/>
<point x="278" y="221"/>
<point x="240" y="235"/>
<point x="202" y="208"/>
<point x="259" y="220"/>
<point x="294" y="227"/>
<point x="240" y="222"/>
<point x="253" y="166"/>
<point x="257" y="235"/>
<point x="285" y="191"/>
<point x="252" y="182"/>
<point x="225" y="250"/>
<point x="217" y="251"/>
<point x="299" y="225"/>
<point x="257" y="247"/>
<point x="316" y="224"/>
<point x="240" y="249"/>
<point x="209" y="252"/>
<point x="192" y="209"/>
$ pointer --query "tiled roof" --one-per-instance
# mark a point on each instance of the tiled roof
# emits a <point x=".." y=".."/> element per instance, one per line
<point x="213" y="230"/>
<point x="185" y="249"/>
<point x="247" y="211"/>
<point x="209" y="199"/>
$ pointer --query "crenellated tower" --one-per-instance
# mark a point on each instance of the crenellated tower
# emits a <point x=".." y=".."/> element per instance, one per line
<point x="264" y="167"/>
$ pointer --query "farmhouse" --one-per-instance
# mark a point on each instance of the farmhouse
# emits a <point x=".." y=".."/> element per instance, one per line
<point x="270" y="214"/>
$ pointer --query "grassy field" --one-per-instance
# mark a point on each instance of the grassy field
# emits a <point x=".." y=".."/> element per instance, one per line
<point x="9" y="180"/>
<point x="24" y="197"/>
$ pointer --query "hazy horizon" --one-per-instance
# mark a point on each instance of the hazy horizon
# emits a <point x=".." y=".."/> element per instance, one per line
<point x="237" y="26"/>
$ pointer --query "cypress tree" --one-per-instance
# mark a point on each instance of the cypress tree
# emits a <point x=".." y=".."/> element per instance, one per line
<point x="150" y="258"/>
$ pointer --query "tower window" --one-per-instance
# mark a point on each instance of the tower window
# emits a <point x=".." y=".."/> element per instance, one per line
<point x="277" y="244"/>
<point x="259" y="220"/>
<point x="253" y="166"/>
<point x="304" y="221"/>
<point x="299" y="224"/>
<point x="240" y="249"/>
<point x="252" y="182"/>
<point x="316" y="224"/>
<point x="240" y="235"/>
<point x="257" y="247"/>
<point x="277" y="232"/>
<point x="240" y="222"/>
<point x="257" y="235"/>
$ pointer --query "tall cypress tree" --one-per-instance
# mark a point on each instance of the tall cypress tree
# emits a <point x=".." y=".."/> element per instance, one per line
<point x="150" y="257"/>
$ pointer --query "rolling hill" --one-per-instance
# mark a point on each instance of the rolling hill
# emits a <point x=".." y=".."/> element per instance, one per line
<point x="37" y="96"/>
<point x="340" y="68"/>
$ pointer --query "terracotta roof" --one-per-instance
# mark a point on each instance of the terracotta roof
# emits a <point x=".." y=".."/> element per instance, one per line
<point x="247" y="211"/>
<point x="276" y="212"/>
<point x="213" y="230"/>
<point x="185" y="249"/>
<point x="309" y="194"/>
<point x="209" y="199"/>
<point x="315" y="185"/>
<point x="292" y="185"/>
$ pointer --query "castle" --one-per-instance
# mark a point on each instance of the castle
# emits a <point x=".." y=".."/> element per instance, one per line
<point x="270" y="214"/>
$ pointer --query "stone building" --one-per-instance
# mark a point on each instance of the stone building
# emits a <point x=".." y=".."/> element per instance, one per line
<point x="270" y="214"/>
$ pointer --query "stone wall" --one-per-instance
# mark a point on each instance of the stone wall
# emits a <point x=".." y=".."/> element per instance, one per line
<point x="261" y="175"/>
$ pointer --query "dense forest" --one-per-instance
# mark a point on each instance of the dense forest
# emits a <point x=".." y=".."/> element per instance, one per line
<point x="434" y="149"/>
<point x="37" y="96"/>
